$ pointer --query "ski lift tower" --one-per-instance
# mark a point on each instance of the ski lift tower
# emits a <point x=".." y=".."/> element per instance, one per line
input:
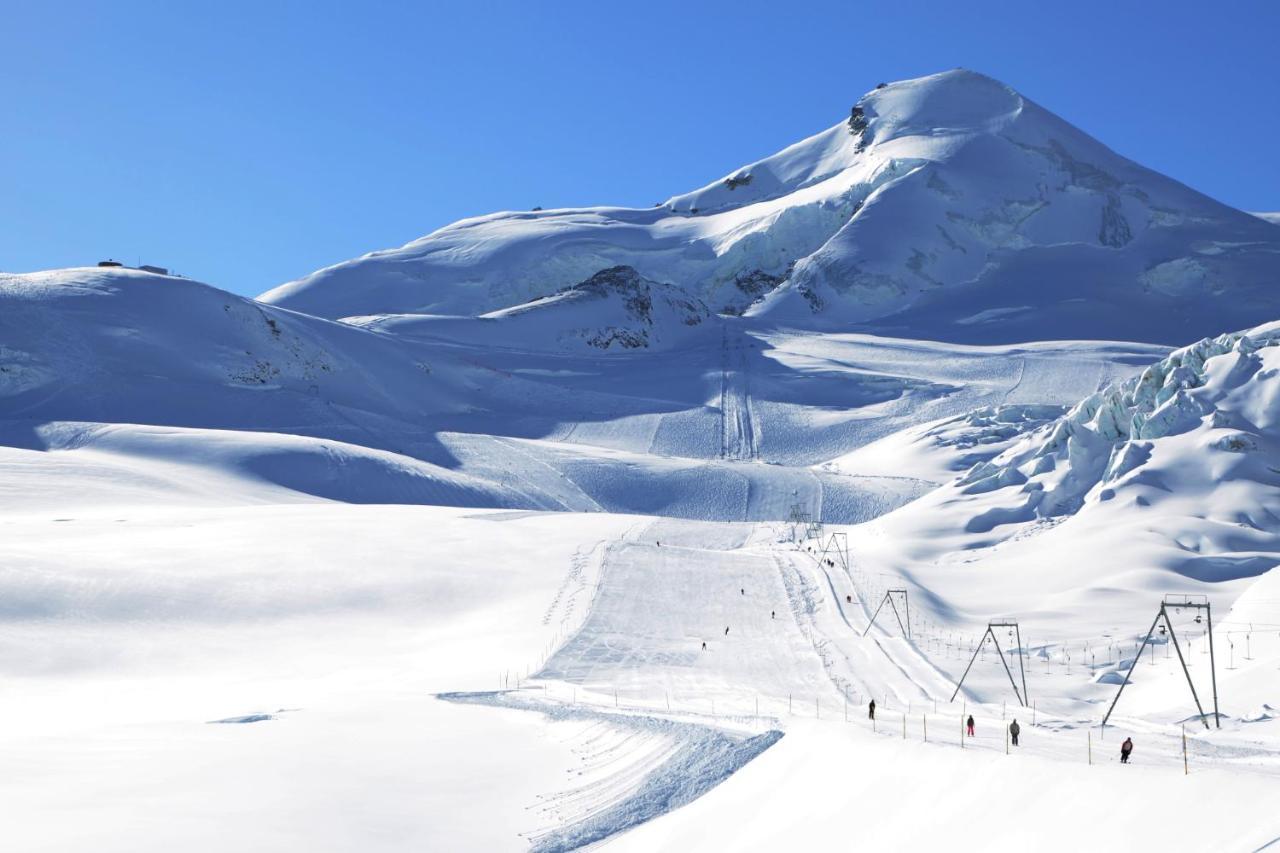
<point x="1177" y="602"/>
<point x="798" y="517"/>
<point x="837" y="545"/>
<point x="889" y="599"/>
<point x="1011" y="626"/>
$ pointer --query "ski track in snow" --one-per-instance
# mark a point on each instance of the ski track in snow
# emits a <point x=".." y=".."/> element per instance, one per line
<point x="634" y="768"/>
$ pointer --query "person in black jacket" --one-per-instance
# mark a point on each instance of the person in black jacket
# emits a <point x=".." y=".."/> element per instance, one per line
<point x="871" y="710"/>
<point x="969" y="723"/>
<point x="1014" y="729"/>
<point x="1125" y="749"/>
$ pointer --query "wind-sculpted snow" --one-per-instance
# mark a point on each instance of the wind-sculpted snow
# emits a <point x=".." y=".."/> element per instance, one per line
<point x="947" y="207"/>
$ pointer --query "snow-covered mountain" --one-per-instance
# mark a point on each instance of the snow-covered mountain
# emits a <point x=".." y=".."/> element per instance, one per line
<point x="581" y="603"/>
<point x="947" y="207"/>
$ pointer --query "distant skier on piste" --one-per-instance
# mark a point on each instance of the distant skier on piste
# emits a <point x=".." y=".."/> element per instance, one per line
<point x="871" y="710"/>
<point x="1125" y="749"/>
<point x="969" y="724"/>
<point x="1014" y="729"/>
<point x="726" y="630"/>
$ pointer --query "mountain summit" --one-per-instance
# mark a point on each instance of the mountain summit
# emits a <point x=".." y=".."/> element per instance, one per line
<point x="948" y="207"/>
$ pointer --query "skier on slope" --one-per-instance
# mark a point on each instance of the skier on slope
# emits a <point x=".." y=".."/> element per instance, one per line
<point x="726" y="630"/>
<point x="871" y="710"/>
<point x="969" y="724"/>
<point x="1125" y="749"/>
<point x="1014" y="729"/>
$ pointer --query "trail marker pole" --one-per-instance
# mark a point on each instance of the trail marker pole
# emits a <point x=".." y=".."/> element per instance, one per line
<point x="1185" y="771"/>
<point x="962" y="731"/>
<point x="924" y="725"/>
<point x="1090" y="746"/>
<point x="1006" y="740"/>
<point x="904" y="726"/>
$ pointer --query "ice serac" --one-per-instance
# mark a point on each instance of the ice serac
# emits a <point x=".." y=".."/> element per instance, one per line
<point x="946" y="207"/>
<point x="1184" y="450"/>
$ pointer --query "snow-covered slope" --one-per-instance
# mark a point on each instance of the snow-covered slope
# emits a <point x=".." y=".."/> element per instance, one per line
<point x="947" y="207"/>
<point x="1164" y="483"/>
<point x="1202" y="426"/>
<point x="616" y="309"/>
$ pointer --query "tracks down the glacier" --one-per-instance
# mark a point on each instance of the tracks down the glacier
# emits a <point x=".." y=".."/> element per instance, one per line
<point x="737" y="428"/>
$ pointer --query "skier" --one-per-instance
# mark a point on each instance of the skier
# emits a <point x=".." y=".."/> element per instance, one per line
<point x="1014" y="728"/>
<point x="726" y="630"/>
<point x="1125" y="749"/>
<point x="743" y="591"/>
<point x="848" y="599"/>
<point x="871" y="710"/>
<point x="773" y="614"/>
<point x="969" y="723"/>
<point x="704" y="645"/>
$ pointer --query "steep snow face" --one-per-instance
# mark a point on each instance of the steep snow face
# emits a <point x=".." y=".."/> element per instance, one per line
<point x="947" y="207"/>
<point x="614" y="310"/>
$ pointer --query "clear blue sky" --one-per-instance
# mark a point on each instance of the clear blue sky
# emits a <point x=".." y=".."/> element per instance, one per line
<point x="246" y="144"/>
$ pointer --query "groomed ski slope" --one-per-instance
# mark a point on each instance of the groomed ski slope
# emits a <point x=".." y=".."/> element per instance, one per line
<point x="586" y="729"/>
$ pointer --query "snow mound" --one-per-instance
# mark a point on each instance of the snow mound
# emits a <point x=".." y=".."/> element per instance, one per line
<point x="1261" y="714"/>
<point x="948" y="207"/>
